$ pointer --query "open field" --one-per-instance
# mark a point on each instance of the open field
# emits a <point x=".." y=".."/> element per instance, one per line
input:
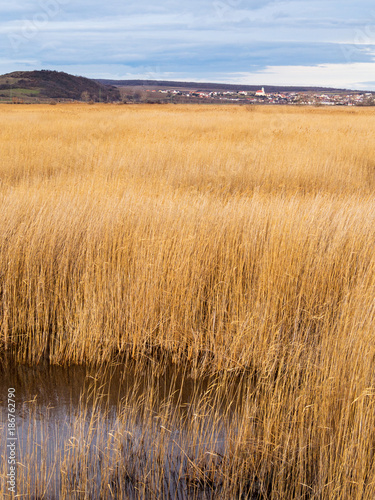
<point x="228" y="241"/>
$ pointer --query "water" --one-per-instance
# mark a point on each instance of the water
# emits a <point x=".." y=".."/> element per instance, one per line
<point x="120" y="433"/>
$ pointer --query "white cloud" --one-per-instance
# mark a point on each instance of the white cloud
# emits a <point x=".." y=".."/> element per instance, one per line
<point x="294" y="41"/>
<point x="351" y="76"/>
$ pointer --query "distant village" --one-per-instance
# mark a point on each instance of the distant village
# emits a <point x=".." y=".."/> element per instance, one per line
<point x="261" y="97"/>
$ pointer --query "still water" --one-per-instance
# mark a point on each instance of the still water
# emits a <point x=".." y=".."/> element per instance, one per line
<point x="125" y="432"/>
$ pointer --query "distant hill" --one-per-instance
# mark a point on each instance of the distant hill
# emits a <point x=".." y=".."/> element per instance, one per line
<point x="213" y="86"/>
<point x="46" y="84"/>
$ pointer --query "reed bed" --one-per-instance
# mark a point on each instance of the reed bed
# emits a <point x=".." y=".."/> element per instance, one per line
<point x="233" y="240"/>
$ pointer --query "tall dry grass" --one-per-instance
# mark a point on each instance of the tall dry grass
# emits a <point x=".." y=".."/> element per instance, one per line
<point x="234" y="238"/>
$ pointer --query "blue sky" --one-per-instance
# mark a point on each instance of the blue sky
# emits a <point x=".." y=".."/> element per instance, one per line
<point x="327" y="43"/>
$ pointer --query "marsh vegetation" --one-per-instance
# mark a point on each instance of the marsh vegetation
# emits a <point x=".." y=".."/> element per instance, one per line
<point x="232" y="245"/>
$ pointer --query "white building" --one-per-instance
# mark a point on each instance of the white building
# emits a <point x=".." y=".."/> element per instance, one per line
<point x="260" y="92"/>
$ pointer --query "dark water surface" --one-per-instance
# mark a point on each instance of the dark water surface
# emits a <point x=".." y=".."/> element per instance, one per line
<point x="76" y="426"/>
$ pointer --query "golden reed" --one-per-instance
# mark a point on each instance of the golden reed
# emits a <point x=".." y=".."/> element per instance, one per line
<point x="240" y="239"/>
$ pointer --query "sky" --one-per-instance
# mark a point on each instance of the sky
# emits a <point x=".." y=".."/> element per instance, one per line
<point x="328" y="43"/>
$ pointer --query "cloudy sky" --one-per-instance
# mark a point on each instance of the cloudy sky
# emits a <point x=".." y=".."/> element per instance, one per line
<point x="300" y="42"/>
